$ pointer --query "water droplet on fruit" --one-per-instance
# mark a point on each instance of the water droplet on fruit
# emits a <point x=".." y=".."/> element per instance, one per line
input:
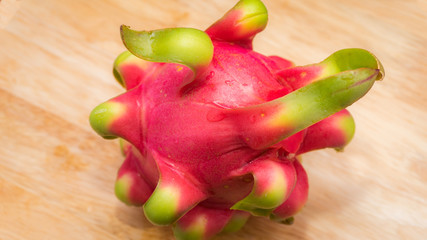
<point x="229" y="83"/>
<point x="215" y="116"/>
<point x="252" y="118"/>
<point x="210" y="76"/>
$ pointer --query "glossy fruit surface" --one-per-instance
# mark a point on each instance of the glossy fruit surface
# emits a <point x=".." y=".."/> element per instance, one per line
<point x="212" y="131"/>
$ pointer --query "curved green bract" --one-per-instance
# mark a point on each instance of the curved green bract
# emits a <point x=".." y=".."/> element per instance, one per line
<point x="187" y="46"/>
<point x="346" y="76"/>
<point x="162" y="207"/>
<point x="320" y="99"/>
<point x="263" y="205"/>
<point x="241" y="23"/>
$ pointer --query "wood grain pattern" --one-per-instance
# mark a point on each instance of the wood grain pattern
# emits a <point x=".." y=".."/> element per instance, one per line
<point x="57" y="175"/>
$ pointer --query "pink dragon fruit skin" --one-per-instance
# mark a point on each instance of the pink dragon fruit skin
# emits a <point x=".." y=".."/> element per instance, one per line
<point x="212" y="131"/>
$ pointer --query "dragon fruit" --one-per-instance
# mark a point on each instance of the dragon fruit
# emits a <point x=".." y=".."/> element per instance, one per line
<point x="213" y="131"/>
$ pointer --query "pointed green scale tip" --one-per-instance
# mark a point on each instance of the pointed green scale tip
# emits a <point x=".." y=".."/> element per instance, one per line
<point x="254" y="15"/>
<point x="261" y="202"/>
<point x="348" y="127"/>
<point x="103" y="116"/>
<point x="237" y="221"/>
<point x="187" y="46"/>
<point x="350" y="59"/>
<point x="162" y="206"/>
<point x="241" y="23"/>
<point x="196" y="231"/>
<point x="122" y="188"/>
<point x="116" y="71"/>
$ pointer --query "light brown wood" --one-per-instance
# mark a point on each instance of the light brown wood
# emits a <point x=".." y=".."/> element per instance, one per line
<point x="57" y="175"/>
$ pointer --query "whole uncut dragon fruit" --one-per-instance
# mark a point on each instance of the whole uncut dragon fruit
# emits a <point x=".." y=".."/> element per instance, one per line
<point x="213" y="130"/>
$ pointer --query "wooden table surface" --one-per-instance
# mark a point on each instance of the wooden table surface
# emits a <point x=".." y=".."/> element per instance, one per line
<point x="57" y="175"/>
